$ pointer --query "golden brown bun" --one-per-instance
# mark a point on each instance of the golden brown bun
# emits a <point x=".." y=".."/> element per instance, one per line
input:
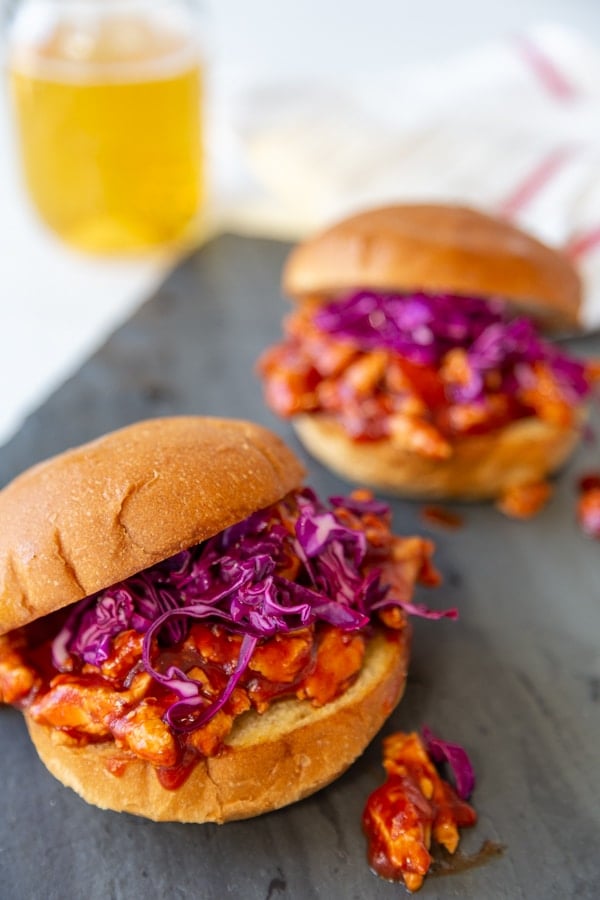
<point x="437" y="248"/>
<point x="289" y="752"/>
<point x="481" y="467"/>
<point x="97" y="514"/>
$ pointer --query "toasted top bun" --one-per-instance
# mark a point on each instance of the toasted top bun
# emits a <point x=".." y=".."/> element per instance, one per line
<point x="438" y="248"/>
<point x="97" y="514"/>
<point x="268" y="761"/>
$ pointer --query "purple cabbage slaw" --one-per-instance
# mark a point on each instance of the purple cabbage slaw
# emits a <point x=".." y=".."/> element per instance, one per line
<point x="235" y="579"/>
<point x="456" y="757"/>
<point x="423" y="328"/>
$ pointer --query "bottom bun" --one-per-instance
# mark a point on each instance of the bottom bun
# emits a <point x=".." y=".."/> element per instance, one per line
<point x="481" y="467"/>
<point x="270" y="760"/>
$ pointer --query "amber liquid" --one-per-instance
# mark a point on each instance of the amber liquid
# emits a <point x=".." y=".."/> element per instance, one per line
<point x="111" y="144"/>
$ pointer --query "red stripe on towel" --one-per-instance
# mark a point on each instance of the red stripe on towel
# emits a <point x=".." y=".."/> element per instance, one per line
<point x="534" y="182"/>
<point x="548" y="73"/>
<point x="584" y="242"/>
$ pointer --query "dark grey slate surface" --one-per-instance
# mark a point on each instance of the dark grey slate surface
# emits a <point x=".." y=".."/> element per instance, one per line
<point x="517" y="679"/>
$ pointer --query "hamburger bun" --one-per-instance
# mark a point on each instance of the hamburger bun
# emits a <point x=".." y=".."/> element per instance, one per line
<point x="482" y="467"/>
<point x="95" y="515"/>
<point x="432" y="247"/>
<point x="268" y="761"/>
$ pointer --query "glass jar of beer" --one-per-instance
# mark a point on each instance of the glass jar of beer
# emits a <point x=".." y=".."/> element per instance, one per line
<point x="108" y="102"/>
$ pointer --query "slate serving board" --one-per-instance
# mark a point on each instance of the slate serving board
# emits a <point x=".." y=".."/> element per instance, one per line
<point x="516" y="680"/>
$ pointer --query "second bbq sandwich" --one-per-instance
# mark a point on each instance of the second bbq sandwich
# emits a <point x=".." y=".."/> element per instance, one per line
<point x="414" y="362"/>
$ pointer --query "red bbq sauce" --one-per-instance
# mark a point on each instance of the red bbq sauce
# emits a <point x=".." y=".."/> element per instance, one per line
<point x="588" y="505"/>
<point x="445" y="518"/>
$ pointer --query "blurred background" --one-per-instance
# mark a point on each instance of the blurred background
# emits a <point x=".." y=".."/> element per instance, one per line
<point x="269" y="119"/>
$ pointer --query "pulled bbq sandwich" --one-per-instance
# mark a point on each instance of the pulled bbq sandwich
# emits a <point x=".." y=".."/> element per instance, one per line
<point x="191" y="634"/>
<point x="414" y="363"/>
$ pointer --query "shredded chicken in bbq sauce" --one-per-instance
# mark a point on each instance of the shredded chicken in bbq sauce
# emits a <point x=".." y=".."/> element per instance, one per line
<point x="524" y="501"/>
<point x="413" y="807"/>
<point x="119" y="701"/>
<point x="378" y="393"/>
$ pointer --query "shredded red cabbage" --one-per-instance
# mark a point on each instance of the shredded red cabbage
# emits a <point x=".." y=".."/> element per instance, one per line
<point x="237" y="578"/>
<point x="423" y="328"/>
<point x="424" y="612"/>
<point x="135" y="603"/>
<point x="361" y="506"/>
<point x="456" y="757"/>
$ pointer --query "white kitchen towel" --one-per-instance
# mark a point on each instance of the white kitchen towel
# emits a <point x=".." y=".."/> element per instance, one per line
<point x="513" y="127"/>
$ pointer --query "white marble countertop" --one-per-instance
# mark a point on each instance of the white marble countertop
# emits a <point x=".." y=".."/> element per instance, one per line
<point x="56" y="306"/>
